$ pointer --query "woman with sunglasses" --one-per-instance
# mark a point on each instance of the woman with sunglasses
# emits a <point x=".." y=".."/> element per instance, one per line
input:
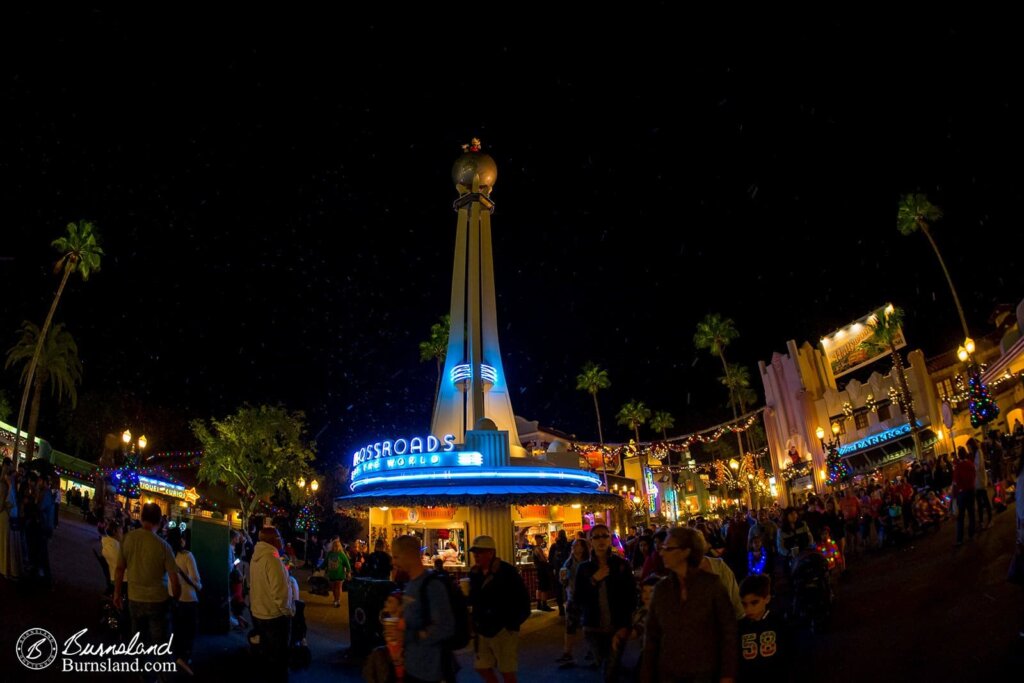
<point x="605" y="592"/>
<point x="690" y="634"/>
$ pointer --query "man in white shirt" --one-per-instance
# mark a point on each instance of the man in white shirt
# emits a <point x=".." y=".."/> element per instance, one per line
<point x="271" y="604"/>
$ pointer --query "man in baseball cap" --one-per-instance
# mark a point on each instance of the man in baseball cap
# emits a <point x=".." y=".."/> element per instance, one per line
<point x="500" y="604"/>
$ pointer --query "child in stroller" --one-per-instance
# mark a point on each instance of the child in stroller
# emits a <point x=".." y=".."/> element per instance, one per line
<point x="812" y="591"/>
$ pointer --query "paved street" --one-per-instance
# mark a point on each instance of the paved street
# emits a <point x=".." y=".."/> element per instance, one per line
<point x="920" y="612"/>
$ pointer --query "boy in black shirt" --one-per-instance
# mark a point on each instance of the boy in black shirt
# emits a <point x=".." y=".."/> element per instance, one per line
<point x="764" y="647"/>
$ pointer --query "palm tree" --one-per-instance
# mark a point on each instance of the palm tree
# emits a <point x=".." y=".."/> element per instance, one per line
<point x="57" y="365"/>
<point x="593" y="379"/>
<point x="632" y="415"/>
<point x="80" y="253"/>
<point x="435" y="348"/>
<point x="885" y="333"/>
<point x="737" y="381"/>
<point x="917" y="213"/>
<point x="662" y="422"/>
<point x="714" y="333"/>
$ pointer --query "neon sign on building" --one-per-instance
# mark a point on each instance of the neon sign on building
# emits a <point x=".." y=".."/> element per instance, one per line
<point x="876" y="439"/>
<point x="652" y="492"/>
<point x="414" y="446"/>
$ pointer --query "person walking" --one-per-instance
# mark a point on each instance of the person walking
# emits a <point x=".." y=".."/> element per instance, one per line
<point x="690" y="633"/>
<point x="557" y="556"/>
<point x="339" y="568"/>
<point x="500" y="604"/>
<point x="606" y="591"/>
<point x="186" y="612"/>
<point x="543" y="569"/>
<point x="567" y="577"/>
<point x="980" y="483"/>
<point x="270" y="602"/>
<point x="429" y="620"/>
<point x="149" y="564"/>
<point x="964" y="479"/>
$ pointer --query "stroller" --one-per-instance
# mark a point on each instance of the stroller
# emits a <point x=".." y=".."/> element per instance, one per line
<point x="812" y="591"/>
<point x="318" y="583"/>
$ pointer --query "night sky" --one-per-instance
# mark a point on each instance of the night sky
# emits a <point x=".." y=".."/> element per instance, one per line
<point x="275" y="202"/>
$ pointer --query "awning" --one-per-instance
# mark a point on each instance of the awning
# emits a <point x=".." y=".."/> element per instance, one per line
<point x="869" y="459"/>
<point x="997" y="368"/>
<point x="476" y="495"/>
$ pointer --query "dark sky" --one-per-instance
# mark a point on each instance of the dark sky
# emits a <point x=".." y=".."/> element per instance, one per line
<point x="275" y="199"/>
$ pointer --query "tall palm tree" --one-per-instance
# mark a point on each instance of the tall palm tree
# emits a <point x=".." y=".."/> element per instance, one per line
<point x="435" y="348"/>
<point x="737" y="381"/>
<point x="917" y="213"/>
<point x="662" y="422"/>
<point x="57" y="365"/>
<point x="80" y="252"/>
<point x="632" y="415"/>
<point x="885" y="332"/>
<point x="713" y="334"/>
<point x="592" y="379"/>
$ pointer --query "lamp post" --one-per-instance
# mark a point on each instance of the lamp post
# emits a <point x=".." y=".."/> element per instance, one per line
<point x="308" y="489"/>
<point x="831" y="446"/>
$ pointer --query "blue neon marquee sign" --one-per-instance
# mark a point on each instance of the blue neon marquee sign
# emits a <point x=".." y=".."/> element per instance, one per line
<point x="498" y="474"/>
<point x="876" y="439"/>
<point x="399" y="463"/>
<point x="404" y="447"/>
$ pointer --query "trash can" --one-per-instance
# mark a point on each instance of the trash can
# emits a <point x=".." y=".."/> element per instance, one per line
<point x="365" y="601"/>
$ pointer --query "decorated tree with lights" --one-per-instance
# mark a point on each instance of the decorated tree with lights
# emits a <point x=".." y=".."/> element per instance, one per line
<point x="983" y="408"/>
<point x="307" y="520"/>
<point x="127" y="477"/>
<point x="839" y="471"/>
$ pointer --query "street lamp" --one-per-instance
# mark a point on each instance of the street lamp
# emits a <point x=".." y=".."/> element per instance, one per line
<point x="126" y="436"/>
<point x="734" y="464"/>
<point x="314" y="485"/>
<point x="831" y="446"/>
<point x="142" y="442"/>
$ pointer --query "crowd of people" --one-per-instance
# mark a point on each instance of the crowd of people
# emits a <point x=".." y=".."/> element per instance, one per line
<point x="28" y="516"/>
<point x="747" y="579"/>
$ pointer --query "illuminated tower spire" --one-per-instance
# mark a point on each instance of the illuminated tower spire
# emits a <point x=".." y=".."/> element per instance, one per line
<point x="473" y="384"/>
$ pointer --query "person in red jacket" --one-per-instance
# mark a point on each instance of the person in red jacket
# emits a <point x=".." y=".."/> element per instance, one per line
<point x="963" y="482"/>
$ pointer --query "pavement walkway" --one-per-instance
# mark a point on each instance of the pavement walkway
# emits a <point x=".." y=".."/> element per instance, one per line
<point x="924" y="611"/>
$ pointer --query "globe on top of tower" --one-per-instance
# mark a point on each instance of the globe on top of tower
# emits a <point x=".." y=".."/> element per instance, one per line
<point x="474" y="171"/>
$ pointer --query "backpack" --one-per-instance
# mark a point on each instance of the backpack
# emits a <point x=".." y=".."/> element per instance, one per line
<point x="459" y="607"/>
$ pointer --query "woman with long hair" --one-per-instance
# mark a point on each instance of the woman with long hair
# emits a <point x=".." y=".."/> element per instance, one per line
<point x="339" y="568"/>
<point x="793" y="536"/>
<point x="543" y="569"/>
